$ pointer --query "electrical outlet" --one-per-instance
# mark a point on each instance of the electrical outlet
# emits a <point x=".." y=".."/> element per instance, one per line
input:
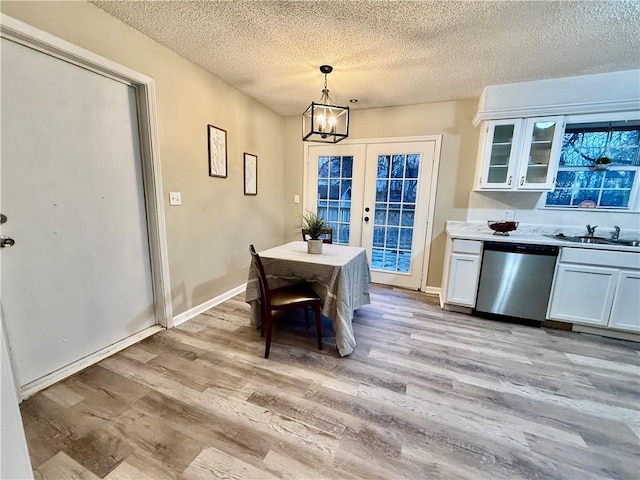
<point x="175" y="198"/>
<point x="508" y="214"/>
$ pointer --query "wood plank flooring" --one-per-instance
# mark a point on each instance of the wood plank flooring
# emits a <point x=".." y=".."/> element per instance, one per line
<point x="427" y="394"/>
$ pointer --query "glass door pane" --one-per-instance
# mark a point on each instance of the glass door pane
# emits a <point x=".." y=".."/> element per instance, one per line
<point x="394" y="214"/>
<point x="540" y="153"/>
<point x="501" y="146"/>
<point x="335" y="178"/>
<point x="335" y="185"/>
<point x="542" y="135"/>
<point x="396" y="210"/>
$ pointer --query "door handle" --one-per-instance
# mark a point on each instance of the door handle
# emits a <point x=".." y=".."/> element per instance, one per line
<point x="6" y="241"/>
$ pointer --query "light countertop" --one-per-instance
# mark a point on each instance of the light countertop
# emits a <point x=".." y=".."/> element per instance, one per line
<point x="535" y="234"/>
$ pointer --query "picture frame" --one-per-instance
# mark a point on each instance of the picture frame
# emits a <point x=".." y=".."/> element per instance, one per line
<point x="250" y="174"/>
<point x="217" y="140"/>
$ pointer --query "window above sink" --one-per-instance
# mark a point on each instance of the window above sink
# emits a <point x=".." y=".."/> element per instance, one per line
<point x="580" y="183"/>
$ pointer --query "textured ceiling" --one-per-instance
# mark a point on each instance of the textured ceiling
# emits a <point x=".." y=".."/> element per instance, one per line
<point x="387" y="53"/>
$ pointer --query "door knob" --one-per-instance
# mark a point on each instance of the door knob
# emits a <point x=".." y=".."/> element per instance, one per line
<point x="367" y="209"/>
<point x="6" y="241"/>
<point x="3" y="218"/>
<point x="366" y="219"/>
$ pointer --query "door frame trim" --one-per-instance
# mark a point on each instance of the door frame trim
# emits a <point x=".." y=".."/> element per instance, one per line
<point x="435" y="168"/>
<point x="34" y="38"/>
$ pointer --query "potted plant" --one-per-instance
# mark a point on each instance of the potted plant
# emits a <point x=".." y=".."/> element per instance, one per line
<point x="602" y="163"/>
<point x="314" y="226"/>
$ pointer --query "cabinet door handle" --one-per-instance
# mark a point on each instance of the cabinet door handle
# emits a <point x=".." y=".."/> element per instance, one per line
<point x="509" y="182"/>
<point x="522" y="181"/>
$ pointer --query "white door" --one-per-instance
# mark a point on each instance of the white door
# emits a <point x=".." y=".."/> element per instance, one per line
<point x="78" y="278"/>
<point x="376" y="196"/>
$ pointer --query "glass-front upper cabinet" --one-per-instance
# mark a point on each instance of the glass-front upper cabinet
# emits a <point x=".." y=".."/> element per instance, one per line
<point x="501" y="154"/>
<point x="520" y="154"/>
<point x="540" y="153"/>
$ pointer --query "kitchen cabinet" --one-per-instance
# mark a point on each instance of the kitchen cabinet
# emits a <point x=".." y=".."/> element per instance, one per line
<point x="598" y="288"/>
<point x="463" y="273"/>
<point x="625" y="313"/>
<point x="583" y="294"/>
<point x="520" y="154"/>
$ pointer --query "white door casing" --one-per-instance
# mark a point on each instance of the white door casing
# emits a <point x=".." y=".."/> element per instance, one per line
<point x="151" y="239"/>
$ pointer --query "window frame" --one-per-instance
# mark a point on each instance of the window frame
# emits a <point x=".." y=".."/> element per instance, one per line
<point x="634" y="198"/>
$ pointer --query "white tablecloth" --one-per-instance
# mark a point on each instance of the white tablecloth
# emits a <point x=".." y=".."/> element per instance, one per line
<point x="340" y="276"/>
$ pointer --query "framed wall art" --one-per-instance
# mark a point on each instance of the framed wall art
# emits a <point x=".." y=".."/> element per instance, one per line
<point x="250" y="174"/>
<point x="217" y="151"/>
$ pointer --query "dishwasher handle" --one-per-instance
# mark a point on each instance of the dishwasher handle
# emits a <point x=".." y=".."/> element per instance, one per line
<point x="524" y="248"/>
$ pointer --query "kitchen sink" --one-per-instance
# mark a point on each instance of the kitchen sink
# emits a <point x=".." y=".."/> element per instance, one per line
<point x="626" y="243"/>
<point x="596" y="240"/>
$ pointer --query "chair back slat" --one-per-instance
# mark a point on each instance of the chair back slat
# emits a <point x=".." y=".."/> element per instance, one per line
<point x="262" y="277"/>
<point x="327" y="234"/>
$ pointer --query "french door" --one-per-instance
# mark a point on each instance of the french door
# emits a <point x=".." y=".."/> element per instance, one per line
<point x="377" y="196"/>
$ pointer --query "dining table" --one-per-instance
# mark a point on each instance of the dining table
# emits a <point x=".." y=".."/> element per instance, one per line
<point x="339" y="275"/>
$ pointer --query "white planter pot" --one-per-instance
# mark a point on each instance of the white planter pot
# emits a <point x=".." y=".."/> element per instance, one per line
<point x="314" y="246"/>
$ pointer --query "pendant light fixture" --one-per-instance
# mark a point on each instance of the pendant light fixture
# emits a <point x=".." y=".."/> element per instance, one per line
<point x="325" y="121"/>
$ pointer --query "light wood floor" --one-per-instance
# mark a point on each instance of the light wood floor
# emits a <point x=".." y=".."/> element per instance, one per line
<point x="426" y="395"/>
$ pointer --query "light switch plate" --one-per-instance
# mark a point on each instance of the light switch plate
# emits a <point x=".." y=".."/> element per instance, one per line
<point x="175" y="198"/>
<point x="296" y="199"/>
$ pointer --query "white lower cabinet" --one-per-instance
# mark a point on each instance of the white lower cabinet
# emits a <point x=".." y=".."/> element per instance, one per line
<point x="463" y="279"/>
<point x="464" y="271"/>
<point x="625" y="314"/>
<point x="596" y="287"/>
<point x="583" y="294"/>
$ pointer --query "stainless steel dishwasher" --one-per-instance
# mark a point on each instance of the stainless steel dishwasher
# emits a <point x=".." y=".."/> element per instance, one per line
<point x="515" y="281"/>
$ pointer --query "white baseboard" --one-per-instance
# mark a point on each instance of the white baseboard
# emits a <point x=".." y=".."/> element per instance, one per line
<point x="432" y="290"/>
<point x="203" y="307"/>
<point x="41" y="383"/>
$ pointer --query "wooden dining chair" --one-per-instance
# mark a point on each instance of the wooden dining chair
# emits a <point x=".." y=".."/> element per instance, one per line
<point x="327" y="235"/>
<point x="298" y="295"/>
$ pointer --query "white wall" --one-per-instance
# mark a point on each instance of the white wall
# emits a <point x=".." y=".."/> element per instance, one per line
<point x="490" y="205"/>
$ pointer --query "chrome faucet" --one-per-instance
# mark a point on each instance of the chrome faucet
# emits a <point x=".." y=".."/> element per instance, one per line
<point x="591" y="230"/>
<point x="616" y="234"/>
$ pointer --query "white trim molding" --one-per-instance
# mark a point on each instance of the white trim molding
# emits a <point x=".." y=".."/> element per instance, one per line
<point x="611" y="92"/>
<point x="203" y="307"/>
<point x="563" y="109"/>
